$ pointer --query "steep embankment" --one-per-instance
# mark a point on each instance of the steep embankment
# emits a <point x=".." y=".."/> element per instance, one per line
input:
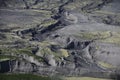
<point x="60" y="37"/>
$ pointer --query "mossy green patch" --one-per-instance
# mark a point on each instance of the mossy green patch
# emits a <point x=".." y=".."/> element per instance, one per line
<point x="26" y="51"/>
<point x="94" y="35"/>
<point x="6" y="57"/>
<point x="76" y="5"/>
<point x="102" y="36"/>
<point x="48" y="22"/>
<point x="71" y="6"/>
<point x="64" y="52"/>
<point x="105" y="65"/>
<point x="25" y="77"/>
<point x="15" y="50"/>
<point x="45" y="49"/>
<point x="46" y="43"/>
<point x="115" y="38"/>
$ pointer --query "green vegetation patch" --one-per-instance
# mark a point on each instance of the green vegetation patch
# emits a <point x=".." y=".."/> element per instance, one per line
<point x="64" y="52"/>
<point x="105" y="65"/>
<point x="115" y="38"/>
<point x="48" y="22"/>
<point x="45" y="49"/>
<point x="25" y="77"/>
<point x="103" y="36"/>
<point x="5" y="57"/>
<point x="26" y="50"/>
<point x="94" y="35"/>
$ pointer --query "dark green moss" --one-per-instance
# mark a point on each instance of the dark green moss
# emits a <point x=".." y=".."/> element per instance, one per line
<point x="6" y="57"/>
<point x="25" y="77"/>
<point x="27" y="51"/>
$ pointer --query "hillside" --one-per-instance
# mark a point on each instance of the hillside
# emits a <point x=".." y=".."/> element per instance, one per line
<point x="70" y="38"/>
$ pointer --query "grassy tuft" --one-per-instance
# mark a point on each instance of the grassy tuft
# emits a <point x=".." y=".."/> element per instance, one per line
<point x="105" y="65"/>
<point x="64" y="52"/>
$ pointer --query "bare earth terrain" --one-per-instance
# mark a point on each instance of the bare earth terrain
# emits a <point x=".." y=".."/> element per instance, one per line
<point x="75" y="38"/>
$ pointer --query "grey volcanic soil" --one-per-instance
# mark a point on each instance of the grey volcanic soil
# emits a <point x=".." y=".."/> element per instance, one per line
<point x="70" y="37"/>
<point x="113" y="7"/>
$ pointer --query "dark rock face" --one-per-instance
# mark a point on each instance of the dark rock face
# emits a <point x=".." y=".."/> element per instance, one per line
<point x="16" y="66"/>
<point x="77" y="45"/>
<point x="4" y="66"/>
<point x="21" y="66"/>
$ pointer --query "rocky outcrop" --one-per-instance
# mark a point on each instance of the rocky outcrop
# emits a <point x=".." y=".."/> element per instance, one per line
<point x="68" y="18"/>
<point x="77" y="45"/>
<point x="5" y="66"/>
<point x="50" y="60"/>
